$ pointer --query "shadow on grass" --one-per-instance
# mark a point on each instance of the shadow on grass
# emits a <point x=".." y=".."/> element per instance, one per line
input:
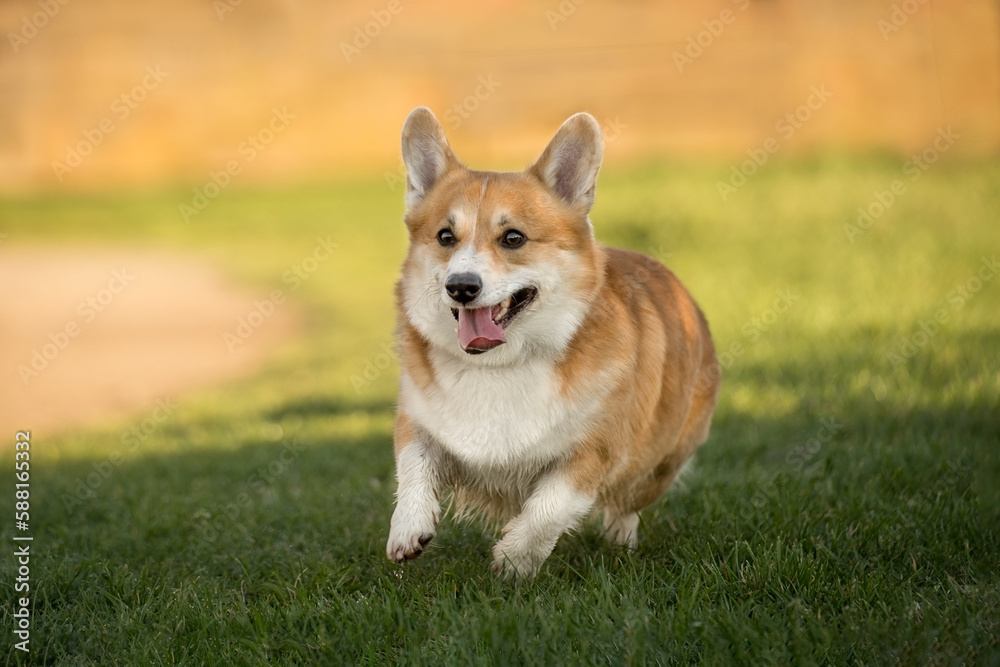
<point x="882" y="485"/>
<point x="180" y="549"/>
<point x="310" y="491"/>
<point x="326" y="406"/>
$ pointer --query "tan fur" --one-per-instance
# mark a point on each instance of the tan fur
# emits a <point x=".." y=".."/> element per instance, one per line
<point x="658" y="342"/>
<point x="643" y="350"/>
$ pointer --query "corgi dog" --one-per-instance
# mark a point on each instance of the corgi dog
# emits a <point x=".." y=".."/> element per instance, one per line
<point x="543" y="376"/>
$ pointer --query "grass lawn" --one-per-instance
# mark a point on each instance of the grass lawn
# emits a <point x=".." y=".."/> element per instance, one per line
<point x="845" y="508"/>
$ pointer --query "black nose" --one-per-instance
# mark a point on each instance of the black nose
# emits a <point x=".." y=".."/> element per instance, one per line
<point x="463" y="287"/>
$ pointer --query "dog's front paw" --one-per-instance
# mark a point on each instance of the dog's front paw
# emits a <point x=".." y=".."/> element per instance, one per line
<point x="408" y="536"/>
<point x="406" y="546"/>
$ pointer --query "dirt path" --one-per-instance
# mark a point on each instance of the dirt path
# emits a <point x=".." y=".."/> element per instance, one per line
<point x="87" y="334"/>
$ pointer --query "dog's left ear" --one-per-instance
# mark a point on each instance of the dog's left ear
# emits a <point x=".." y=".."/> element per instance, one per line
<point x="570" y="162"/>
<point x="426" y="154"/>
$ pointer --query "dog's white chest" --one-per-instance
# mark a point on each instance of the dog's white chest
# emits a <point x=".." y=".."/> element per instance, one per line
<point x="496" y="417"/>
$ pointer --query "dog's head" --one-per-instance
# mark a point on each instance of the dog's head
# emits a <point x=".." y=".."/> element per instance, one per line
<point x="500" y="265"/>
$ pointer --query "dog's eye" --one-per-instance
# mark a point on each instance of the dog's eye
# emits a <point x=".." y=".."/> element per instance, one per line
<point x="513" y="239"/>
<point x="446" y="238"/>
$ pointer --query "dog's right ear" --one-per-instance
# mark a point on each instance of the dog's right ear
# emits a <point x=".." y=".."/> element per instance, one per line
<point x="426" y="154"/>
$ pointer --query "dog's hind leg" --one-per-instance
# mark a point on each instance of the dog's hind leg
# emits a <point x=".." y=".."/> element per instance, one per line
<point x="621" y="529"/>
<point x="554" y="507"/>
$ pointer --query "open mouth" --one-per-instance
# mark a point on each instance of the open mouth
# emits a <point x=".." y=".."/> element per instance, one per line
<point x="482" y="329"/>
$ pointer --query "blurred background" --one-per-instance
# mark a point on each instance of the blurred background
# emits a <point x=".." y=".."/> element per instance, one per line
<point x="154" y="126"/>
<point x="200" y="231"/>
<point x="702" y="79"/>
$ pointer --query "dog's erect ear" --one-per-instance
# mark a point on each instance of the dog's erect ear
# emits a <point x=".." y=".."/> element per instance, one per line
<point x="570" y="162"/>
<point x="426" y="154"/>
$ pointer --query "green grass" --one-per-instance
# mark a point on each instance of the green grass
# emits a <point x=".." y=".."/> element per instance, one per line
<point x="844" y="510"/>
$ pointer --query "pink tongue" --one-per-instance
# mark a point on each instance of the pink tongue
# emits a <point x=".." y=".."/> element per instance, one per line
<point x="477" y="330"/>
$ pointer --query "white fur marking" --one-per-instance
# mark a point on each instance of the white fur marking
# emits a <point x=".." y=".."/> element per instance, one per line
<point x="482" y="195"/>
<point x="497" y="417"/>
<point x="417" y="506"/>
